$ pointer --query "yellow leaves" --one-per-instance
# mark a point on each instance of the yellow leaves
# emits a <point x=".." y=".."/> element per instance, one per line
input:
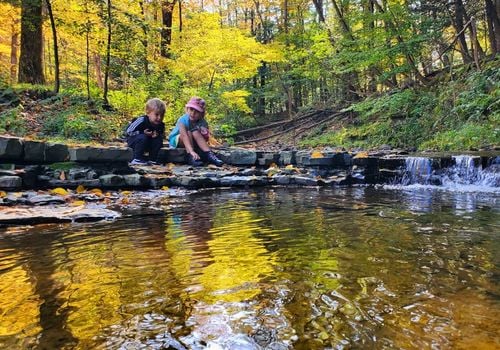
<point x="59" y="191"/>
<point x="165" y="188"/>
<point x="317" y="154"/>
<point x="3" y="194"/>
<point x="209" y="53"/>
<point x="96" y="191"/>
<point x="126" y="193"/>
<point x="361" y="155"/>
<point x="236" y="100"/>
<point x="77" y="203"/>
<point x="80" y="189"/>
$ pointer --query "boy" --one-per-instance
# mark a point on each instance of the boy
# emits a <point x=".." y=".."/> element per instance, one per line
<point x="191" y="132"/>
<point x="145" y="133"/>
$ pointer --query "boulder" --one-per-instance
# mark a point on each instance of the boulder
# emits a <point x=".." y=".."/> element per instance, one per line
<point x="101" y="155"/>
<point x="287" y="157"/>
<point x="11" y="148"/>
<point x="10" y="182"/>
<point x="237" y="156"/>
<point x="56" y="152"/>
<point x="34" y="152"/>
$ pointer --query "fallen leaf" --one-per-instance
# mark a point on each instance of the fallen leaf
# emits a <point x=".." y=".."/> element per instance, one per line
<point x="77" y="203"/>
<point x="361" y="155"/>
<point x="126" y="193"/>
<point x="317" y="154"/>
<point x="96" y="191"/>
<point x="60" y="191"/>
<point x="62" y="176"/>
<point x="289" y="167"/>
<point x="165" y="188"/>
<point x="80" y="189"/>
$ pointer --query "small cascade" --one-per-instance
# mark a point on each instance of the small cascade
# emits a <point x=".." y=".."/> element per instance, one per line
<point x="418" y="171"/>
<point x="465" y="171"/>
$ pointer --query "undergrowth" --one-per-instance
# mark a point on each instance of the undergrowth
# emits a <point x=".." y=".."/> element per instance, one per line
<point x="462" y="113"/>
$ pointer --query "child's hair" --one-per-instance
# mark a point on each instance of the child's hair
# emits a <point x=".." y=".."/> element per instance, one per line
<point x="156" y="105"/>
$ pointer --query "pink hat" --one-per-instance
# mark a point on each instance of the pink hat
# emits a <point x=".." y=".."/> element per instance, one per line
<point x="197" y="103"/>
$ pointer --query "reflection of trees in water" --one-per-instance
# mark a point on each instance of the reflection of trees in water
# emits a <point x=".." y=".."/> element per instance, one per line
<point x="315" y="268"/>
<point x="40" y="254"/>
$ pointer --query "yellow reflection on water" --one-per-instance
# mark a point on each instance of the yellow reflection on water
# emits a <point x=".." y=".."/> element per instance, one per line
<point x="19" y="308"/>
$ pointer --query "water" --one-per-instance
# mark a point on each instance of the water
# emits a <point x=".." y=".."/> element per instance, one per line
<point x="272" y="269"/>
<point x="466" y="174"/>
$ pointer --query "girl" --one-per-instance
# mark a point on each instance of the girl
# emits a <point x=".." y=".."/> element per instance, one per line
<point x="191" y="132"/>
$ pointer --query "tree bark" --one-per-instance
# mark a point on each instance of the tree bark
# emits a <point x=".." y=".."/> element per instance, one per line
<point x="108" y="56"/>
<point x="493" y="21"/>
<point x="14" y="44"/>
<point x="57" y="82"/>
<point x="30" y="61"/>
<point x="167" y="9"/>
<point x="459" y="26"/>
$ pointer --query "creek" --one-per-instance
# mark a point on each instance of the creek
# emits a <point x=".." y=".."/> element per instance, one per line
<point x="383" y="267"/>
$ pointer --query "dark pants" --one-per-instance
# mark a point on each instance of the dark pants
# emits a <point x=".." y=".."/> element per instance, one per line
<point x="142" y="143"/>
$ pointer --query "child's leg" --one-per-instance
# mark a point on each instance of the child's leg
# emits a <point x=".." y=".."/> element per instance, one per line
<point x="138" y="143"/>
<point x="155" y="146"/>
<point x="200" y="141"/>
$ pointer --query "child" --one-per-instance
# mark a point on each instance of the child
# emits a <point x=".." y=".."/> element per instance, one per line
<point x="145" y="133"/>
<point x="191" y="132"/>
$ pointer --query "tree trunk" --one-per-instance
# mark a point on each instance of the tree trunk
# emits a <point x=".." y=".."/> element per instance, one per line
<point x="14" y="44"/>
<point x="459" y="26"/>
<point x="108" y="56"/>
<point x="167" y="9"/>
<point x="492" y="18"/>
<point x="98" y="70"/>
<point x="30" y="61"/>
<point x="56" y="51"/>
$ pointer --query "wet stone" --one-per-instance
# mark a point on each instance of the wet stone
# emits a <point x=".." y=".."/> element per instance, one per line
<point x="44" y="199"/>
<point x="281" y="179"/>
<point x="10" y="182"/>
<point x="305" y="181"/>
<point x="52" y="183"/>
<point x="111" y="180"/>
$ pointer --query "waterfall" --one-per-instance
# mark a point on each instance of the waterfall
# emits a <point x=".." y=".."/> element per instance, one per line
<point x="418" y="171"/>
<point x="464" y="173"/>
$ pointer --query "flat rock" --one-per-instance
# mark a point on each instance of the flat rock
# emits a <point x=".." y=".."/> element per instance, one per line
<point x="24" y="216"/>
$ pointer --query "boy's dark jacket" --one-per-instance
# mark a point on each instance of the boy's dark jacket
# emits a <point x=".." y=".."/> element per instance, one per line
<point x="139" y="124"/>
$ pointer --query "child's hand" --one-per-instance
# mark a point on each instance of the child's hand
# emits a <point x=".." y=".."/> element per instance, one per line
<point x="148" y="132"/>
<point x="194" y="155"/>
<point x="155" y="134"/>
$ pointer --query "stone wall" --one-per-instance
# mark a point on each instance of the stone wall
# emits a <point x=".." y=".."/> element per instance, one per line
<point x="26" y="164"/>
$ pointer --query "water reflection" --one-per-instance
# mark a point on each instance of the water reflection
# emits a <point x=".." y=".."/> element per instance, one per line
<point x="272" y="269"/>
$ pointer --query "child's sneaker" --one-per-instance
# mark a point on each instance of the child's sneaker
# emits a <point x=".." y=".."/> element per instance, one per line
<point x="193" y="162"/>
<point x="212" y="159"/>
<point x="136" y="161"/>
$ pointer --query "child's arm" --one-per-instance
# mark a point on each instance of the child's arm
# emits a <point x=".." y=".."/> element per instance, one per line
<point x="186" y="141"/>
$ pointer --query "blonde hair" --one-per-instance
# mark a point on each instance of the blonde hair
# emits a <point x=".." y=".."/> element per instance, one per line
<point x="156" y="105"/>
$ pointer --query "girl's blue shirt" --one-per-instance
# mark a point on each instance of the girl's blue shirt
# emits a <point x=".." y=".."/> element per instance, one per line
<point x="189" y="126"/>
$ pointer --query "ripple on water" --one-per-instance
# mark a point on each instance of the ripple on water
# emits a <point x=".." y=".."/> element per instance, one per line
<point x="271" y="269"/>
